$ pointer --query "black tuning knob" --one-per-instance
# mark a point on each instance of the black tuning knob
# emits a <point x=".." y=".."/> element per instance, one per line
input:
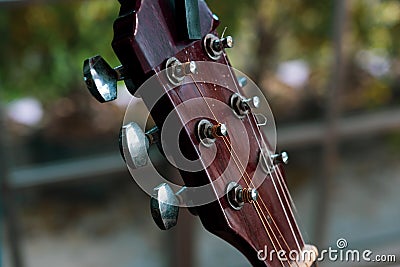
<point x="101" y="79"/>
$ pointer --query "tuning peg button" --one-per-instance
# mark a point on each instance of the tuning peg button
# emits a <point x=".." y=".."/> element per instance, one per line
<point x="282" y="157"/>
<point x="133" y="145"/>
<point x="164" y="207"/>
<point x="101" y="79"/>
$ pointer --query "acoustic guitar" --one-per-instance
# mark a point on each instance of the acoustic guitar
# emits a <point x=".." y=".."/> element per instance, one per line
<point x="211" y="124"/>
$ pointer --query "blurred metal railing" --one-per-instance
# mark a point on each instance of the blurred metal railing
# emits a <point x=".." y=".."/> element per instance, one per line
<point x="377" y="122"/>
<point x="105" y="165"/>
<point x="292" y="136"/>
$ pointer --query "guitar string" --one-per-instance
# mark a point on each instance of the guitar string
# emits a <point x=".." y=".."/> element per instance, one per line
<point x="251" y="182"/>
<point x="269" y="214"/>
<point x="258" y="213"/>
<point x="280" y="233"/>
<point x="260" y="208"/>
<point x="269" y="156"/>
<point x="157" y="74"/>
<point x="283" y="186"/>
<point x="249" y="177"/>
<point x="282" y="205"/>
<point x="285" y="189"/>
<point x="247" y="182"/>
<point x="280" y="180"/>
<point x="295" y="212"/>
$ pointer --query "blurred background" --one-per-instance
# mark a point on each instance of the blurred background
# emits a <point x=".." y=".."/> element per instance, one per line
<point x="329" y="69"/>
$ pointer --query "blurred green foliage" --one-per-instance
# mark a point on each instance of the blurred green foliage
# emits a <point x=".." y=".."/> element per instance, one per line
<point x="304" y="30"/>
<point x="43" y="45"/>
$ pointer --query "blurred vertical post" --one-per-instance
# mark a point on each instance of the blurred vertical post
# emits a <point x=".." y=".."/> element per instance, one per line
<point x="183" y="241"/>
<point x="330" y="143"/>
<point x="7" y="197"/>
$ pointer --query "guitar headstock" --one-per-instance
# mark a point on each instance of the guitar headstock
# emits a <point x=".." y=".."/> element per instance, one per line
<point x="220" y="138"/>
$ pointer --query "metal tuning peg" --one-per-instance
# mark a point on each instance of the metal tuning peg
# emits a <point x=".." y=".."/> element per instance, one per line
<point x="241" y="105"/>
<point x="207" y="132"/>
<point x="282" y="157"/>
<point x="135" y="143"/>
<point x="220" y="44"/>
<point x="252" y="102"/>
<point x="238" y="196"/>
<point x="215" y="46"/>
<point x="101" y="79"/>
<point x="164" y="206"/>
<point x="176" y="70"/>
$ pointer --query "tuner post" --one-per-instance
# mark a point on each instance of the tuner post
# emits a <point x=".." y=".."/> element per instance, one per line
<point x="252" y="102"/>
<point x="189" y="68"/>
<point x="208" y="133"/>
<point x="241" y="106"/>
<point x="176" y="71"/>
<point x="220" y="44"/>
<point x="238" y="196"/>
<point x="279" y="158"/>
<point x="217" y="131"/>
<point x="249" y="195"/>
<point x="215" y="46"/>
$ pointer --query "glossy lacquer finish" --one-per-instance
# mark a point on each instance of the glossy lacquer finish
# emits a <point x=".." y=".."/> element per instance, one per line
<point x="146" y="35"/>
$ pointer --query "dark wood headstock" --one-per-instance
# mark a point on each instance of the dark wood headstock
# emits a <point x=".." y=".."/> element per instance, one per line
<point x="256" y="211"/>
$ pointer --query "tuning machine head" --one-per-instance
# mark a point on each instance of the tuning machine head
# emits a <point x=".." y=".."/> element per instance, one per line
<point x="101" y="79"/>
<point x="164" y="206"/>
<point x="215" y="46"/>
<point x="134" y="144"/>
<point x="176" y="71"/>
<point x="241" y="105"/>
